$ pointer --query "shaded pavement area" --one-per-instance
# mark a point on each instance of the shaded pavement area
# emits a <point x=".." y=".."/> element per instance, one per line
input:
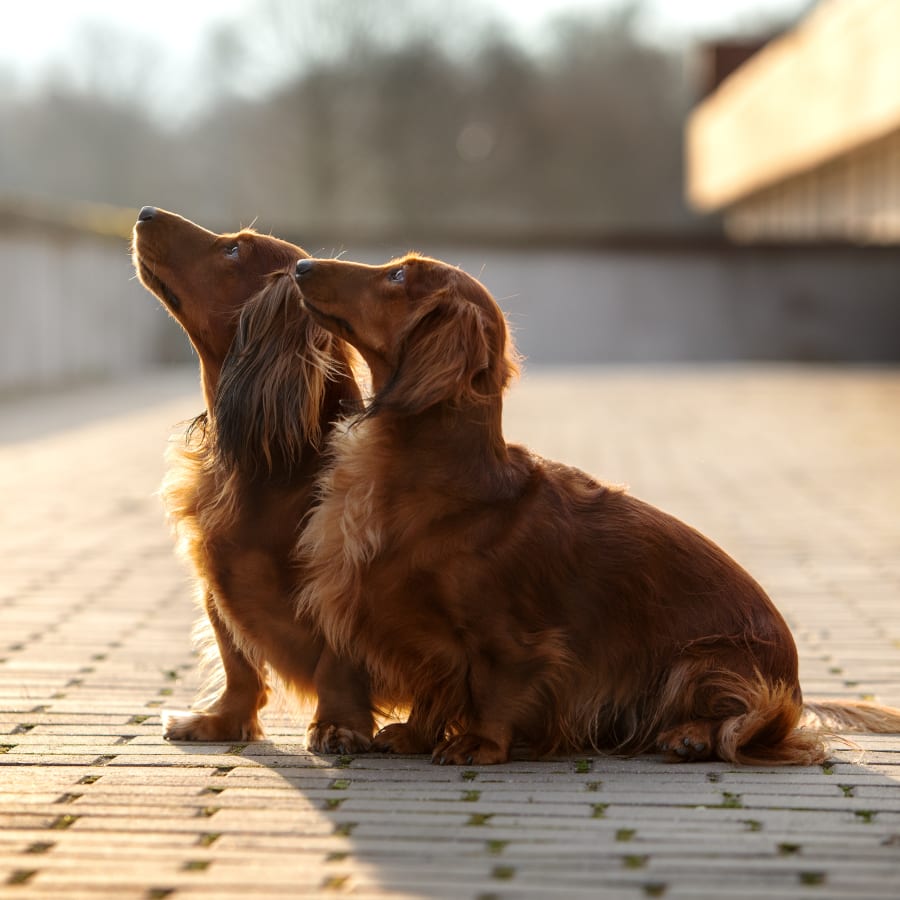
<point x="793" y="470"/>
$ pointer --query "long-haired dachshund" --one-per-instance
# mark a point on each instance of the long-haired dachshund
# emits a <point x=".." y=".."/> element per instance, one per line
<point x="242" y="478"/>
<point x="512" y="599"/>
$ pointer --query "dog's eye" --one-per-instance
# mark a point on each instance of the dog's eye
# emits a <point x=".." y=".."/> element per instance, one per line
<point x="232" y="251"/>
<point x="397" y="275"/>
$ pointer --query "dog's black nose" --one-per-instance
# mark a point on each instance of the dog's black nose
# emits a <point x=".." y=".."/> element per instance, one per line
<point x="304" y="267"/>
<point x="146" y="213"/>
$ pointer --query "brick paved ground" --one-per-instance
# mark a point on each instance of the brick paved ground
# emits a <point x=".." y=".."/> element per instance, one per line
<point x="794" y="471"/>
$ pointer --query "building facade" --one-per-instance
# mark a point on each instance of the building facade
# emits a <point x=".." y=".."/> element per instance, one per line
<point x="802" y="141"/>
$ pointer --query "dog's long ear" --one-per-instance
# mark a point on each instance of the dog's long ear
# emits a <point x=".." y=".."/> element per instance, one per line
<point x="269" y="400"/>
<point x="457" y="352"/>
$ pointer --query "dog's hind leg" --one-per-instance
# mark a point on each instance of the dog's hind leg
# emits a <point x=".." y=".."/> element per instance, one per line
<point x="749" y="720"/>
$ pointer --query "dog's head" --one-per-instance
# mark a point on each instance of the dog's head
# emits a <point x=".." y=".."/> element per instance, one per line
<point x="203" y="278"/>
<point x="429" y="332"/>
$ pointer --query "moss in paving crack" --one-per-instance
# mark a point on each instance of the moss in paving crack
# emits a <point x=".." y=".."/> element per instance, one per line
<point x="334" y="802"/>
<point x="479" y="818"/>
<point x="236" y="749"/>
<point x="67" y="798"/>
<point x="63" y="822"/>
<point x="342" y="762"/>
<point x="625" y="834"/>
<point x="503" y="873"/>
<point x="159" y="893"/>
<point x="599" y="810"/>
<point x="786" y="849"/>
<point x="345" y="829"/>
<point x="138" y="720"/>
<point x="865" y="815"/>
<point x="469" y="775"/>
<point x="634" y="861"/>
<point x="21" y="876"/>
<point x="593" y="785"/>
<point x="5" y="748"/>
<point x="212" y="790"/>
<point x="335" y="882"/>
<point x="208" y="811"/>
<point x="731" y="801"/>
<point x="811" y="878"/>
<point x="752" y="825"/>
<point x="40" y="847"/>
<point x="340" y="784"/>
<point x="24" y="728"/>
<point x="583" y="766"/>
<point x="847" y="789"/>
<point x="222" y="771"/>
<point x="208" y="839"/>
<point x="495" y="848"/>
<point x="827" y="769"/>
<point x="713" y="777"/>
<point x="471" y="796"/>
<point x="655" y="889"/>
<point x="336" y="856"/>
<point x="89" y="779"/>
<point x="196" y="865"/>
<point x="104" y="760"/>
<point x="166" y="692"/>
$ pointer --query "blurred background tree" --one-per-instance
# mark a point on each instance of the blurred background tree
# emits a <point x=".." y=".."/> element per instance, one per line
<point x="376" y="115"/>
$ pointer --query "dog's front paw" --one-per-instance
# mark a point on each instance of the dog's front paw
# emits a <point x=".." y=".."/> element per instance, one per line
<point x="399" y="737"/>
<point x="328" y="737"/>
<point x="469" y="750"/>
<point x="689" y="742"/>
<point x="211" y="727"/>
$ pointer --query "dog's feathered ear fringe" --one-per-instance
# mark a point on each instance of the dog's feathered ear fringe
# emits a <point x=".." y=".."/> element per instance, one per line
<point x="272" y="386"/>
<point x="457" y="352"/>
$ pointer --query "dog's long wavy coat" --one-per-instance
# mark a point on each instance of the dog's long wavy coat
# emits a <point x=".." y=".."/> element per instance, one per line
<point x="514" y="600"/>
<point x="241" y="479"/>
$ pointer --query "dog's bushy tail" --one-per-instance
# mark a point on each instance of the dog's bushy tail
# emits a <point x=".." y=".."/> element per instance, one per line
<point x="858" y="716"/>
<point x="770" y="732"/>
<point x="776" y="730"/>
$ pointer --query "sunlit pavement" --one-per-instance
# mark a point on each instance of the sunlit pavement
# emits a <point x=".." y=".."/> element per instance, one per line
<point x="795" y="471"/>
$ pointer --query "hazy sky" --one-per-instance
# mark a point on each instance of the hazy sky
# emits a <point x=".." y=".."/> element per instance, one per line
<point x="35" y="31"/>
<point x="161" y="66"/>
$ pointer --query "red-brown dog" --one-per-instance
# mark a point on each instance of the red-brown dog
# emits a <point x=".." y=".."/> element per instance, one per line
<point x="242" y="478"/>
<point x="512" y="599"/>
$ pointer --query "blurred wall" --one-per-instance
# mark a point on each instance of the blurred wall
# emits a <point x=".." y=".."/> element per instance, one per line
<point x="73" y="310"/>
<point x="687" y="300"/>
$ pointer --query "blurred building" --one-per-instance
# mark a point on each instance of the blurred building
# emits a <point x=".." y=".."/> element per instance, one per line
<point x="801" y="141"/>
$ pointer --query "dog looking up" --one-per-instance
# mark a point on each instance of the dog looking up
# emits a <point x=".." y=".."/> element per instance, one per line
<point x="242" y="477"/>
<point x="514" y="599"/>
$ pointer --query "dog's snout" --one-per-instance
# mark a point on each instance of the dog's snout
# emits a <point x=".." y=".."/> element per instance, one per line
<point x="304" y="267"/>
<point x="146" y="213"/>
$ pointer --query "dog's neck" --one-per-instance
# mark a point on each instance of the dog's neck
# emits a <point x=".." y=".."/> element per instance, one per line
<point x="448" y="448"/>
